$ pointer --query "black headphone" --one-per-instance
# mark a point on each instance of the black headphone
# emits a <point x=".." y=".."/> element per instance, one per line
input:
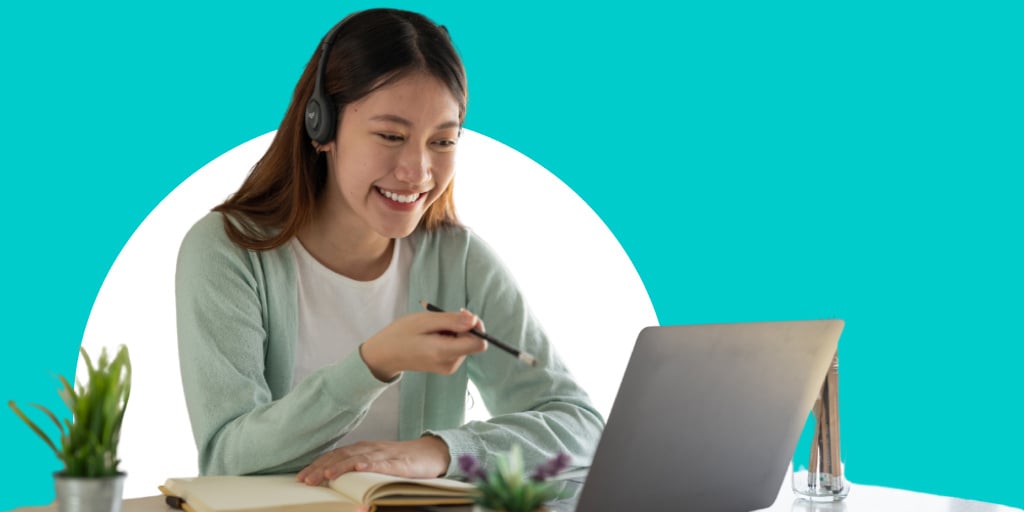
<point x="321" y="114"/>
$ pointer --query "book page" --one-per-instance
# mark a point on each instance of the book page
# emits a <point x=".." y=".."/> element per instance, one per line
<point x="367" y="487"/>
<point x="269" y="493"/>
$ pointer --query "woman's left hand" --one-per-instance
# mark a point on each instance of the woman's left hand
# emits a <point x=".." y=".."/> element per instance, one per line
<point x="426" y="457"/>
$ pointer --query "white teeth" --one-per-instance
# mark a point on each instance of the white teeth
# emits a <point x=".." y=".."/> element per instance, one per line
<point x="398" y="197"/>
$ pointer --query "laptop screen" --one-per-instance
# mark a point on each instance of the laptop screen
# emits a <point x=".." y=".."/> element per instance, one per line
<point x="707" y="416"/>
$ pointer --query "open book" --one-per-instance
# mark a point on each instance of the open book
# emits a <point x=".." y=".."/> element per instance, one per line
<point x="282" y="492"/>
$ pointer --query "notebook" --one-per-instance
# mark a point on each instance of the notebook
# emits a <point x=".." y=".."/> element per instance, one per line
<point x="707" y="416"/>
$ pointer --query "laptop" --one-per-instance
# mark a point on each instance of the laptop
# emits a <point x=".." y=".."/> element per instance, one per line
<point x="707" y="416"/>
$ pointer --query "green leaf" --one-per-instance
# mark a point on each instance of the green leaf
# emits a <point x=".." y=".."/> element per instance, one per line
<point x="52" y="416"/>
<point x="88" y="360"/>
<point x="35" y="428"/>
<point x="89" y="439"/>
<point x="506" y="486"/>
<point x="68" y="393"/>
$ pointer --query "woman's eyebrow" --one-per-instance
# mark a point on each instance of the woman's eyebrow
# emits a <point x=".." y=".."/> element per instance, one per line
<point x="391" y="118"/>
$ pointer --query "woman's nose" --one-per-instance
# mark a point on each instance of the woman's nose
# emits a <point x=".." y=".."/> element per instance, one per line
<point x="413" y="165"/>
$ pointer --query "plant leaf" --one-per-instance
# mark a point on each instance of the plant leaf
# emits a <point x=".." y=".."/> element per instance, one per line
<point x="53" y="417"/>
<point x="68" y="393"/>
<point x="90" y="437"/>
<point x="88" y="360"/>
<point x="35" y="428"/>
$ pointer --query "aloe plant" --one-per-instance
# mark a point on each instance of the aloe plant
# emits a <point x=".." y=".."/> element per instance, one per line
<point x="88" y="441"/>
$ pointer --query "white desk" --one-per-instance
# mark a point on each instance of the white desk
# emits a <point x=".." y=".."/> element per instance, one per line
<point x="870" y="498"/>
<point x="862" y="498"/>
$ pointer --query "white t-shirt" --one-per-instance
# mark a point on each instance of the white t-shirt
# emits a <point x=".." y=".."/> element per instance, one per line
<point x="336" y="314"/>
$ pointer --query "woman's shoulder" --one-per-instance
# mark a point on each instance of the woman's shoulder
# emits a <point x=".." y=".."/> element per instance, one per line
<point x="449" y="240"/>
<point x="207" y="234"/>
<point x="458" y="249"/>
<point x="208" y="226"/>
<point x="207" y="241"/>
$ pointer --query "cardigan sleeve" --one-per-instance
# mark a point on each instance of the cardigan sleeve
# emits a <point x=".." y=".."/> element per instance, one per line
<point x="242" y="425"/>
<point x="542" y="409"/>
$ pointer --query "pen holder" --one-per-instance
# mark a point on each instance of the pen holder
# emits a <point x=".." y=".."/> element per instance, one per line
<point x="821" y="479"/>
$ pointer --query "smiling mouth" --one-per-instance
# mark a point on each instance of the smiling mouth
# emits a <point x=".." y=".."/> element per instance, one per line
<point x="398" y="198"/>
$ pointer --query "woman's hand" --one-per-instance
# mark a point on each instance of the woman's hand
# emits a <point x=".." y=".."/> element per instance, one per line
<point x="424" y="342"/>
<point x="426" y="457"/>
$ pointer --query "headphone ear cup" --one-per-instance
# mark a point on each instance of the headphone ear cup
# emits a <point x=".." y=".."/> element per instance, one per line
<point x="320" y="118"/>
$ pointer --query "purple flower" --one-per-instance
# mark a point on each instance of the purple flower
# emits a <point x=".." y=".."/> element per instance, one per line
<point x="551" y="468"/>
<point x="472" y="468"/>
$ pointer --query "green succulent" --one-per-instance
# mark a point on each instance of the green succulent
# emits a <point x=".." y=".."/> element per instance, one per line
<point x="507" y="488"/>
<point x="88" y="442"/>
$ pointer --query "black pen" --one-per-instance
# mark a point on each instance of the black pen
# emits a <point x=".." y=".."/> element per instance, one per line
<point x="522" y="356"/>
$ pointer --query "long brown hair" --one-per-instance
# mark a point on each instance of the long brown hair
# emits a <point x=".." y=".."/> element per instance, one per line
<point x="371" y="48"/>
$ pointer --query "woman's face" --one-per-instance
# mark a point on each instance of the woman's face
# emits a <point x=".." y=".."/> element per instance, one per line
<point x="393" y="156"/>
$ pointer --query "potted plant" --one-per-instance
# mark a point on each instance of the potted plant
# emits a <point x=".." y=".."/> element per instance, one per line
<point x="506" y="488"/>
<point x="88" y="442"/>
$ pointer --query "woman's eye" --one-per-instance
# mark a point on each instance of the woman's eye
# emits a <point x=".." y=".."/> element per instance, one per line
<point x="445" y="143"/>
<point x="390" y="137"/>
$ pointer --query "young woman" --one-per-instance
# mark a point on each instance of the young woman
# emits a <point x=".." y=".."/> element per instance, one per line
<point x="303" y="343"/>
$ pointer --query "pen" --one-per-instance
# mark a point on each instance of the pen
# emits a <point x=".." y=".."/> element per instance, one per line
<point x="522" y="356"/>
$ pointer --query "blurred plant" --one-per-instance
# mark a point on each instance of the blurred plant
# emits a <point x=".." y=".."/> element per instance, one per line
<point x="506" y="488"/>
<point x="88" y="444"/>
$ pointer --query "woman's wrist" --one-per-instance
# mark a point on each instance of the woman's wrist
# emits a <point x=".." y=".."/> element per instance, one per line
<point x="374" y="361"/>
<point x="441" y="447"/>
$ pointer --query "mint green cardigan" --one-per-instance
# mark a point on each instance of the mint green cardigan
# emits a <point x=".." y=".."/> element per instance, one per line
<point x="237" y="325"/>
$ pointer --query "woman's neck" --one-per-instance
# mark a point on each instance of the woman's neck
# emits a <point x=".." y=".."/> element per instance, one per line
<point x="356" y="252"/>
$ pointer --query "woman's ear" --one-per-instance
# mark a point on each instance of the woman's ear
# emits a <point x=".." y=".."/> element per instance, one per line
<point x="323" y="148"/>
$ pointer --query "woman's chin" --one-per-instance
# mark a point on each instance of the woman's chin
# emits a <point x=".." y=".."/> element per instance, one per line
<point x="397" y="230"/>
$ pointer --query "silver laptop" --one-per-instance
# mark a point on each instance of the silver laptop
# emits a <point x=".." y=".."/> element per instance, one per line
<point x="707" y="416"/>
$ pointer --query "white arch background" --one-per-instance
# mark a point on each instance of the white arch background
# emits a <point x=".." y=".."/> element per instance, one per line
<point x="577" y="278"/>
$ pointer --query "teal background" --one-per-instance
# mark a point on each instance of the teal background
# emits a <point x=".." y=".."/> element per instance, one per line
<point x="859" y="160"/>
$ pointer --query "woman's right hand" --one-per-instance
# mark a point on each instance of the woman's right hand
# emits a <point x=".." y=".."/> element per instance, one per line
<point x="424" y="342"/>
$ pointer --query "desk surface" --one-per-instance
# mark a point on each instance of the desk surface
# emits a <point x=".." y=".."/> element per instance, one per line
<point x="870" y="498"/>
<point x="862" y="498"/>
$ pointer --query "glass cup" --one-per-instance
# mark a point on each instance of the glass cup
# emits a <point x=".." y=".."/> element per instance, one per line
<point x="819" y="477"/>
